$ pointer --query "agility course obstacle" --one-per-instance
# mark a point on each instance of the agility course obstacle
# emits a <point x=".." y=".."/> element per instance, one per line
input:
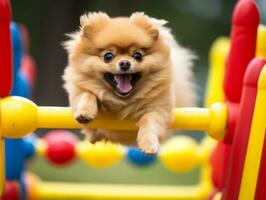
<point x="232" y="168"/>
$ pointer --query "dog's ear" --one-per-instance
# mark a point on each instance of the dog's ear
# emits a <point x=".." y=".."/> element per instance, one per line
<point x="145" y="22"/>
<point x="92" y="22"/>
<point x="154" y="33"/>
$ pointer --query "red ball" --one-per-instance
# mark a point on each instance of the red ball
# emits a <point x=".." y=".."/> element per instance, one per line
<point x="60" y="146"/>
<point x="11" y="191"/>
<point x="28" y="69"/>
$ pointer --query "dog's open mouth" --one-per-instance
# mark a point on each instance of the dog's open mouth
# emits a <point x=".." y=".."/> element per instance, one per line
<point x="122" y="83"/>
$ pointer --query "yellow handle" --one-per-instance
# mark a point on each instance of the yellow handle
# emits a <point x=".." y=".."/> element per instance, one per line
<point x="20" y="116"/>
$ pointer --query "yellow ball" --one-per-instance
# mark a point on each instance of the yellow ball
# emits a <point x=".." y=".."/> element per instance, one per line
<point x="179" y="154"/>
<point x="18" y="117"/>
<point x="100" y="154"/>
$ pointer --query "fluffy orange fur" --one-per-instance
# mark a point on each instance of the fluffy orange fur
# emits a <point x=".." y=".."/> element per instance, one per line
<point x="165" y="76"/>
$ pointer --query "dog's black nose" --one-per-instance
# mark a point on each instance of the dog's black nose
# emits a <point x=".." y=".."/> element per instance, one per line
<point x="124" y="65"/>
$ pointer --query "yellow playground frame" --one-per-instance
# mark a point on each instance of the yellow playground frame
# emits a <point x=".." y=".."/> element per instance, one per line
<point x="212" y="119"/>
<point x="22" y="116"/>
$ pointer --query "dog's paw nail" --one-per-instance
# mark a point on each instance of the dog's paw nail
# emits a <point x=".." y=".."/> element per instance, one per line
<point x="83" y="119"/>
<point x="150" y="154"/>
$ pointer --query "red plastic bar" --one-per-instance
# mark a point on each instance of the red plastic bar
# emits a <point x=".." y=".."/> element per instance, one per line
<point x="6" y="68"/>
<point x="245" y="21"/>
<point x="219" y="160"/>
<point x="241" y="135"/>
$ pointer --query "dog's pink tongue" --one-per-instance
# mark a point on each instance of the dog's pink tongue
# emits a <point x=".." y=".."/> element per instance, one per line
<point x="123" y="83"/>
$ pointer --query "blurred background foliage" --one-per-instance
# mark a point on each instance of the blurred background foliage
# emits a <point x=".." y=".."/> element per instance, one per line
<point x="195" y="24"/>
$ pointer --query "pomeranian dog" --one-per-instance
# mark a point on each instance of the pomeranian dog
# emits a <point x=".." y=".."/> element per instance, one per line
<point x="127" y="67"/>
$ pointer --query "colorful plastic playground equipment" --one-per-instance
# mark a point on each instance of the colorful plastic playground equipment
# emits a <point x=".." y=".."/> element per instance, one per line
<point x="232" y="157"/>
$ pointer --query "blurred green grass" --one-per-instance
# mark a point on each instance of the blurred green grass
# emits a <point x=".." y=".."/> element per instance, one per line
<point x="120" y="173"/>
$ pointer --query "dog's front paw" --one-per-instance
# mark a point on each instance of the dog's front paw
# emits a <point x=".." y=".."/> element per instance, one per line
<point x="83" y="118"/>
<point x="149" y="144"/>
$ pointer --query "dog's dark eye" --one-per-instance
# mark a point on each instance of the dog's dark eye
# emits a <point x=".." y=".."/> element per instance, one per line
<point x="108" y="57"/>
<point x="137" y="56"/>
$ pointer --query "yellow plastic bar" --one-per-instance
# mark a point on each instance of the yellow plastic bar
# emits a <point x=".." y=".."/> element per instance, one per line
<point x="55" y="117"/>
<point x="261" y="42"/>
<point x="205" y="150"/>
<point x="68" y="191"/>
<point x="61" y="117"/>
<point x="217" y="57"/>
<point x="2" y="165"/>
<point x="20" y="116"/>
<point x="255" y="143"/>
<point x="2" y="160"/>
<point x="58" y="117"/>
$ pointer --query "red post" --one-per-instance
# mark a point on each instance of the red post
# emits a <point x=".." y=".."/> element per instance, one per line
<point x="6" y="68"/>
<point x="243" y="36"/>
<point x="242" y="130"/>
<point x="245" y="21"/>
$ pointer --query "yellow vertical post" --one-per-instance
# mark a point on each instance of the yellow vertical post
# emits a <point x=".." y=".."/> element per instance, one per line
<point x="205" y="150"/>
<point x="2" y="159"/>
<point x="261" y="42"/>
<point x="255" y="143"/>
<point x="214" y="93"/>
<point x="217" y="57"/>
<point x="2" y="165"/>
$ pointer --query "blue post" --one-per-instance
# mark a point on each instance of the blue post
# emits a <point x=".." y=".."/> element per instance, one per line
<point x="17" y="150"/>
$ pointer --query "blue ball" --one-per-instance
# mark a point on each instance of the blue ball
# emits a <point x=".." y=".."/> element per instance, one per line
<point x="29" y="146"/>
<point x="138" y="158"/>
